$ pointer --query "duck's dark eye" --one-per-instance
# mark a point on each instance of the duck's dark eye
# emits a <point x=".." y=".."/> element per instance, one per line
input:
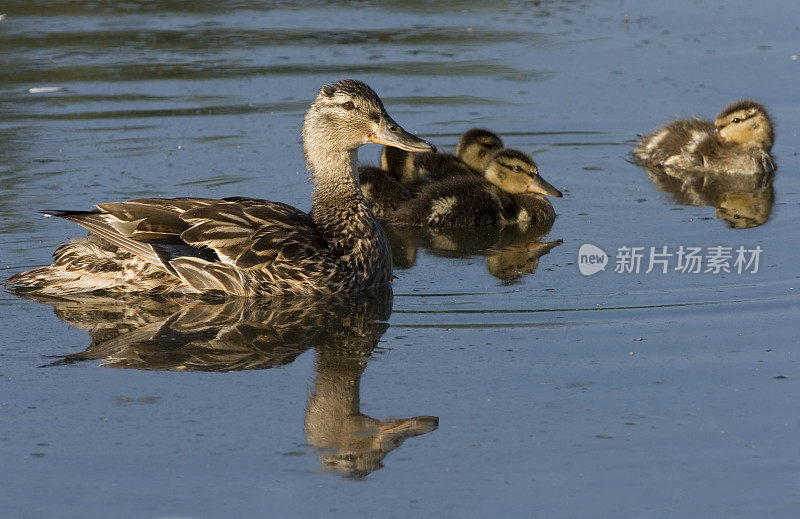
<point x="736" y="120"/>
<point x="349" y="105"/>
<point x="517" y="169"/>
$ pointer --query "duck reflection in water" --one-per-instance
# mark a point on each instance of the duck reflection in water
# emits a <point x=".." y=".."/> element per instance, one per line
<point x="511" y="251"/>
<point x="166" y="333"/>
<point x="351" y="442"/>
<point x="743" y="201"/>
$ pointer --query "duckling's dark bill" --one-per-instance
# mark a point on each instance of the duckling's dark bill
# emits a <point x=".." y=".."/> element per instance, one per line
<point x="543" y="187"/>
<point x="392" y="134"/>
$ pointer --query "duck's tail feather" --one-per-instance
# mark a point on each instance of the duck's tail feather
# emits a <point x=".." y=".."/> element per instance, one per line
<point x="112" y="230"/>
<point x="91" y="264"/>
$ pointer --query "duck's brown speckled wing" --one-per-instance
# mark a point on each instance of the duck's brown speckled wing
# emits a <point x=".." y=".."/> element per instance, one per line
<point x="252" y="235"/>
<point x="235" y="245"/>
<point x="260" y="245"/>
<point x="153" y="218"/>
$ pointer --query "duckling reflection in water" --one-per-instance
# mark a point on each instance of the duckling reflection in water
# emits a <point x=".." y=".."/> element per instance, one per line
<point x="232" y="334"/>
<point x="511" y="190"/>
<point x="510" y="264"/>
<point x="743" y="201"/>
<point x="511" y="251"/>
<point x="737" y="142"/>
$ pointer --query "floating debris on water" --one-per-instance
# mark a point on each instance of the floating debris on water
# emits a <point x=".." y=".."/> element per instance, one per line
<point x="44" y="89"/>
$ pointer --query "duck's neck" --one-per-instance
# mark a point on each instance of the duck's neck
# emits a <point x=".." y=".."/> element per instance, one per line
<point x="333" y="173"/>
<point x="335" y="395"/>
<point x="345" y="219"/>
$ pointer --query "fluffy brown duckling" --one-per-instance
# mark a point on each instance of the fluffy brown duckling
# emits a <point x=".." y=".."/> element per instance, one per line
<point x="403" y="174"/>
<point x="510" y="190"/>
<point x="384" y="192"/>
<point x="738" y="141"/>
<point x="474" y="149"/>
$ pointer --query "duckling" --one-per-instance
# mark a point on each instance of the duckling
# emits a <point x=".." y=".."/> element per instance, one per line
<point x="738" y="141"/>
<point x="244" y="246"/>
<point x="473" y="152"/>
<point x="384" y="192"/>
<point x="401" y="166"/>
<point x="403" y="174"/>
<point x="476" y="146"/>
<point x="510" y="191"/>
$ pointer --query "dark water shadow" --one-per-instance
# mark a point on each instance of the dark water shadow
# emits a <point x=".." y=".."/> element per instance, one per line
<point x="18" y="172"/>
<point x="511" y="251"/>
<point x="164" y="333"/>
<point x="742" y="201"/>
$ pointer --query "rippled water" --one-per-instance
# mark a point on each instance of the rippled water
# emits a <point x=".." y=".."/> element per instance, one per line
<point x="557" y="394"/>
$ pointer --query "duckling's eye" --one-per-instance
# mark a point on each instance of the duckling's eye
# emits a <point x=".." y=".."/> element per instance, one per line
<point x="516" y="169"/>
<point x="736" y="120"/>
<point x="349" y="105"/>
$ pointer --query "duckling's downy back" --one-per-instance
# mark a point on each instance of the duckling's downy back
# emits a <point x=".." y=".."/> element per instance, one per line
<point x="738" y="142"/>
<point x="511" y="190"/>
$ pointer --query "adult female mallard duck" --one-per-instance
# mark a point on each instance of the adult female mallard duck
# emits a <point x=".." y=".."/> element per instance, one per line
<point x="510" y="191"/>
<point x="738" y="141"/>
<point x="245" y="246"/>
